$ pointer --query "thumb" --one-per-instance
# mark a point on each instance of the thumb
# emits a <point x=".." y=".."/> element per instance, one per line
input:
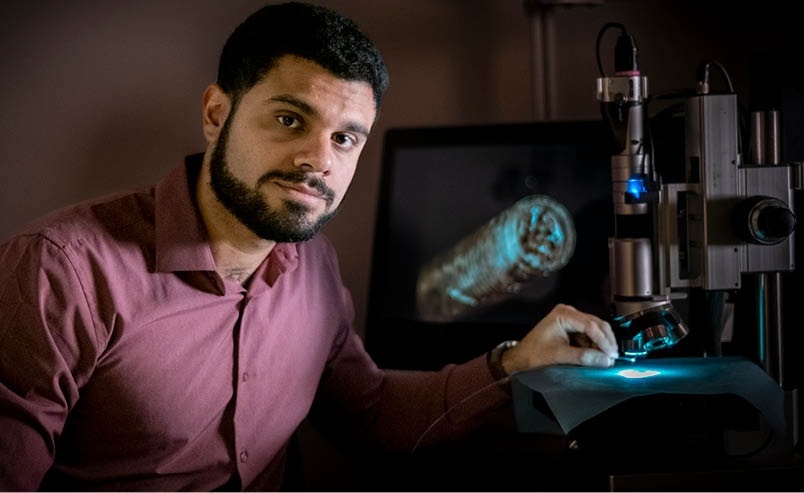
<point x="585" y="356"/>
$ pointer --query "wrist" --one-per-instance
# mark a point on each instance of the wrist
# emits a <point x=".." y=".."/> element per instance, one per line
<point x="494" y="358"/>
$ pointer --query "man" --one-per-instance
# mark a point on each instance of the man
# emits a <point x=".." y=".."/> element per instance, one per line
<point x="174" y="337"/>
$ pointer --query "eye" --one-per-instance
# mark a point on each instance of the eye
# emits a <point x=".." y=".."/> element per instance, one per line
<point x="345" y="140"/>
<point x="288" y="121"/>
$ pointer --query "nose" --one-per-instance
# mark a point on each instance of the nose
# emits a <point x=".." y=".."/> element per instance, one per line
<point x="315" y="153"/>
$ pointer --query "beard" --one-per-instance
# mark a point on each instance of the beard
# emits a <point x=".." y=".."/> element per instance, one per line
<point x="287" y="224"/>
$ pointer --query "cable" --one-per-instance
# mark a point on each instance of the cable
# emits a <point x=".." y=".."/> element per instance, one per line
<point x="703" y="76"/>
<point x="703" y="88"/>
<point x="502" y="381"/>
<point x="603" y="29"/>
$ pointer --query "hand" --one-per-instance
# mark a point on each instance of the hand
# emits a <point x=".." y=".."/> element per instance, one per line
<point x="565" y="336"/>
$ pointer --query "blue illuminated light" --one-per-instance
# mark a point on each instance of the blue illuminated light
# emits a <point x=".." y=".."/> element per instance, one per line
<point x="636" y="186"/>
<point x="631" y="373"/>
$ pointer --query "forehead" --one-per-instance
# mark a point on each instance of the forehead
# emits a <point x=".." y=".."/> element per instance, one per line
<point x="325" y="93"/>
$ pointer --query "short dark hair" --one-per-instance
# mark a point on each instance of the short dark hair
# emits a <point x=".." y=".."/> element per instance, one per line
<point x="304" y="30"/>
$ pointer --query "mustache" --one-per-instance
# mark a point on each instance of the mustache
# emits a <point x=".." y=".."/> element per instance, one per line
<point x="300" y="176"/>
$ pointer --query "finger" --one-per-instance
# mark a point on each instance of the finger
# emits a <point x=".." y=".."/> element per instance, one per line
<point x="599" y="331"/>
<point x="588" y="357"/>
<point x="594" y="357"/>
<point x="583" y="356"/>
<point x="595" y="328"/>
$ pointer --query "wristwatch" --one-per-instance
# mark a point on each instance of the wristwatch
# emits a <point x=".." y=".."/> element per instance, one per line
<point x="494" y="359"/>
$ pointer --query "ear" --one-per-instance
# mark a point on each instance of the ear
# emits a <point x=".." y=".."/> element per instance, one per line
<point x="217" y="106"/>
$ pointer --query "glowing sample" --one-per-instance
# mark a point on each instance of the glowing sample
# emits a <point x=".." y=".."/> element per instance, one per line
<point x="630" y="373"/>
<point x="533" y="238"/>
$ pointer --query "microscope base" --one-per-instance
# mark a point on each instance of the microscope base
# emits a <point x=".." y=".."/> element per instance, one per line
<point x="694" y="414"/>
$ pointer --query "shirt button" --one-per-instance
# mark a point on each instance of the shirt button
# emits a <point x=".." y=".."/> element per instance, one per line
<point x="244" y="456"/>
<point x="245" y="376"/>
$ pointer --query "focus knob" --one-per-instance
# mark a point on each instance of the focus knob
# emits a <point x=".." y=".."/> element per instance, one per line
<point x="764" y="220"/>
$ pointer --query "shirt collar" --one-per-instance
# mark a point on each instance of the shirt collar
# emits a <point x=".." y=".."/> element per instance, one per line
<point x="181" y="243"/>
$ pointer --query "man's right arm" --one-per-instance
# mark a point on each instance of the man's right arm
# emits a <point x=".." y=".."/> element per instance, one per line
<point x="45" y="329"/>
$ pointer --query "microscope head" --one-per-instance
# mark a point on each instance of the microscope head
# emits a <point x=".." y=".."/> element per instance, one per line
<point x="648" y="327"/>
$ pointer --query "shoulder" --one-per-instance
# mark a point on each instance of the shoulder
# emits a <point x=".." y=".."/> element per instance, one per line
<point x="119" y="220"/>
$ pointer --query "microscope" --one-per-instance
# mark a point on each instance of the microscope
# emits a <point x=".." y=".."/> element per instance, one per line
<point x="724" y="212"/>
<point x="701" y="216"/>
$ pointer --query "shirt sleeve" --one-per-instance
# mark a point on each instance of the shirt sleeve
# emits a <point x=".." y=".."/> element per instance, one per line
<point x="398" y="410"/>
<point x="47" y="349"/>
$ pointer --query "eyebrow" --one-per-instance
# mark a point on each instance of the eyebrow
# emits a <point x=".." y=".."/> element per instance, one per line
<point x="309" y="110"/>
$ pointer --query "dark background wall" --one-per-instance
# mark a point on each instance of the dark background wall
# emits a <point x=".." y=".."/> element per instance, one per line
<point x="99" y="95"/>
<point x="103" y="95"/>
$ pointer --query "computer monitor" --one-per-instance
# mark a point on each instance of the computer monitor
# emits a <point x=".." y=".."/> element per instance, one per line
<point x="438" y="185"/>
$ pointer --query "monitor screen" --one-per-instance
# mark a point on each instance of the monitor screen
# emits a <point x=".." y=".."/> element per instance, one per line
<point x="441" y="184"/>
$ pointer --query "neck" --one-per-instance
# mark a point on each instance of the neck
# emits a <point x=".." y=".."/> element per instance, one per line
<point x="235" y="263"/>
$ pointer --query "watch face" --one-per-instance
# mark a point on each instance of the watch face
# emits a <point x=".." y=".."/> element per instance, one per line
<point x="495" y="359"/>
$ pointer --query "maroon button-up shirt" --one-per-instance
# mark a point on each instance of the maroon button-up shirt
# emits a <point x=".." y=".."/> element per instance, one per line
<point x="127" y="363"/>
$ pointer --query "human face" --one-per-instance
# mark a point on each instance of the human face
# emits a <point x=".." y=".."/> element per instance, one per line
<point x="286" y="154"/>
